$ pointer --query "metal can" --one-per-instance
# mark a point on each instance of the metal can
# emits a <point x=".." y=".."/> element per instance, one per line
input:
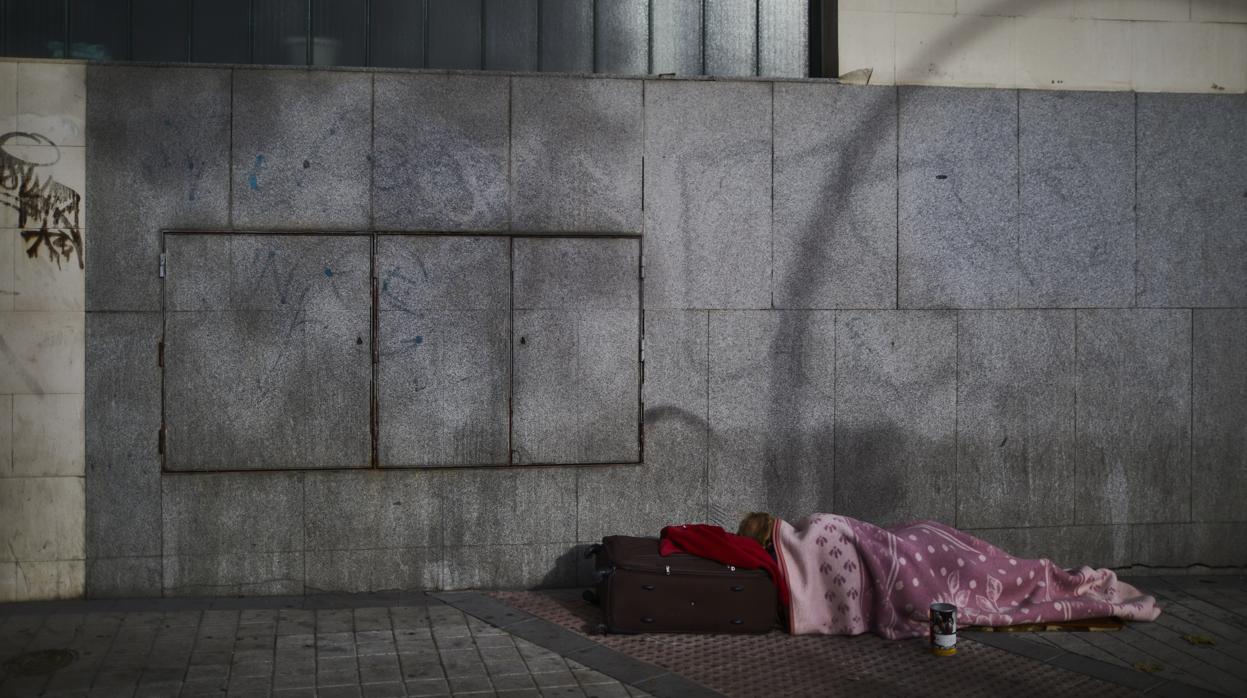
<point x="943" y="629"/>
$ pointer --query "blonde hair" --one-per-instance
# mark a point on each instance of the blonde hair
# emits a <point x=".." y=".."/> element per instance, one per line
<point x="757" y="525"/>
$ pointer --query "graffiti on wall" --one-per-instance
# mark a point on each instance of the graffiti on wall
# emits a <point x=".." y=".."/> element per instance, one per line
<point x="48" y="211"/>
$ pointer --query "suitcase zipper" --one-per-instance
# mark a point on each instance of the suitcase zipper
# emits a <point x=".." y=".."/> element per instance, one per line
<point x="724" y="571"/>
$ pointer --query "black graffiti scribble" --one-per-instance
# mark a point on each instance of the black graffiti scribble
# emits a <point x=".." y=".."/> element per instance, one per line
<point x="41" y="200"/>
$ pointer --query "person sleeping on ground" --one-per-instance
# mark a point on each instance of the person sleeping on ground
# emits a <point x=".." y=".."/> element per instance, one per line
<point x="841" y="576"/>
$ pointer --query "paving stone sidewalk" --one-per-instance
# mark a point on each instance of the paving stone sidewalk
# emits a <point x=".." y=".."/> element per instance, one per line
<point x="547" y="644"/>
<point x="229" y="647"/>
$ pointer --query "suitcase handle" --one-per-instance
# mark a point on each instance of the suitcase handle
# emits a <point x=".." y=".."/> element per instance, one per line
<point x="738" y="588"/>
<point x="647" y="587"/>
<point x="592" y="550"/>
<point x="647" y="619"/>
<point x="737" y="621"/>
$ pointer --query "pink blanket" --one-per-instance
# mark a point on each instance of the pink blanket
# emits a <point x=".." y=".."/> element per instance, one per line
<point x="848" y="577"/>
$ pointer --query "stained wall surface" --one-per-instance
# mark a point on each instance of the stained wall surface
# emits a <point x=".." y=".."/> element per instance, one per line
<point x="1141" y="45"/>
<point x="1015" y="312"/>
<point x="42" y="224"/>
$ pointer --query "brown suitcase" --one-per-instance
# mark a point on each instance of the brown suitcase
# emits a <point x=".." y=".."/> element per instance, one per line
<point x="641" y="591"/>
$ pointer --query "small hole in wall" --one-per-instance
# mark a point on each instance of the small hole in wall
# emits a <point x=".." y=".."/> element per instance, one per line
<point x="306" y="164"/>
<point x="523" y="340"/>
<point x="941" y="176"/>
<point x="359" y="340"/>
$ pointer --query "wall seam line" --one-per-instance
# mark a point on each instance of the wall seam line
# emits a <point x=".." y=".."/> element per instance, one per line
<point x="1077" y="444"/>
<point x="1017" y="210"/>
<point x="229" y="213"/>
<point x="896" y="92"/>
<point x="709" y="431"/>
<point x="1190" y="463"/>
<point x="957" y="419"/>
<point x="510" y="154"/>
<point x="1134" y="300"/>
<point x="835" y="402"/>
<point x="772" y="197"/>
<point x="303" y="488"/>
<point x="372" y="150"/>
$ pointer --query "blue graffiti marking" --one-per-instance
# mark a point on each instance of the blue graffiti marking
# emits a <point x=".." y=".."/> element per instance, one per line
<point x="253" y="178"/>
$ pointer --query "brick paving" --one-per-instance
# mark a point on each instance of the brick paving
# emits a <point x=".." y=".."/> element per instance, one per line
<point x="1197" y="647"/>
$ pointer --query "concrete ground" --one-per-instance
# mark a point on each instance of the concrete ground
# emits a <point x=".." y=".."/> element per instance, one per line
<point x="548" y="644"/>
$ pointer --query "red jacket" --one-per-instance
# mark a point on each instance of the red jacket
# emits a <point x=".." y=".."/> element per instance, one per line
<point x="713" y="543"/>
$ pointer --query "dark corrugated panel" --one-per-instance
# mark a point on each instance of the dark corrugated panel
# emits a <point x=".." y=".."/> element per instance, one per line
<point x="675" y="29"/>
<point x="339" y="30"/>
<point x="731" y="37"/>
<point x="454" y="34"/>
<point x="34" y="28"/>
<point x="510" y="34"/>
<point x="783" y="38"/>
<point x="397" y="33"/>
<point x="567" y="36"/>
<point x="280" y="32"/>
<point x="621" y="36"/>
<point x="99" y="29"/>
<point x="221" y="31"/>
<point x="159" y="30"/>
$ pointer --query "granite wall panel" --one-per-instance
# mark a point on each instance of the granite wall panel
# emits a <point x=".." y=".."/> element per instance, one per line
<point x="158" y="158"/>
<point x="512" y="506"/>
<point x="958" y="198"/>
<point x="1192" y="152"/>
<point x="122" y="407"/>
<point x="670" y="485"/>
<point x="576" y="335"/>
<point x="772" y="405"/>
<point x="302" y="140"/>
<point x="1068" y="433"/>
<point x="1076" y="244"/>
<point x="512" y="566"/>
<point x="1068" y="546"/>
<point x="294" y="333"/>
<point x="835" y="196"/>
<point x="576" y="155"/>
<point x="233" y="533"/>
<point x="895" y="429"/>
<point x="441" y="151"/>
<point x="1015" y="418"/>
<point x="707" y="195"/>
<point x="124" y="577"/>
<point x="363" y="570"/>
<point x="444" y="366"/>
<point x="1219" y="403"/>
<point x="1134" y="416"/>
<point x="346" y="510"/>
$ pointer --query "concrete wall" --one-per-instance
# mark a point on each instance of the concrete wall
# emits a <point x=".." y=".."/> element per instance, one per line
<point x="42" y="172"/>
<point x="1021" y="313"/>
<point x="1142" y="45"/>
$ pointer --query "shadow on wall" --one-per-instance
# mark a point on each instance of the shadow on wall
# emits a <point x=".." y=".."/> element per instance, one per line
<point x="873" y="457"/>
